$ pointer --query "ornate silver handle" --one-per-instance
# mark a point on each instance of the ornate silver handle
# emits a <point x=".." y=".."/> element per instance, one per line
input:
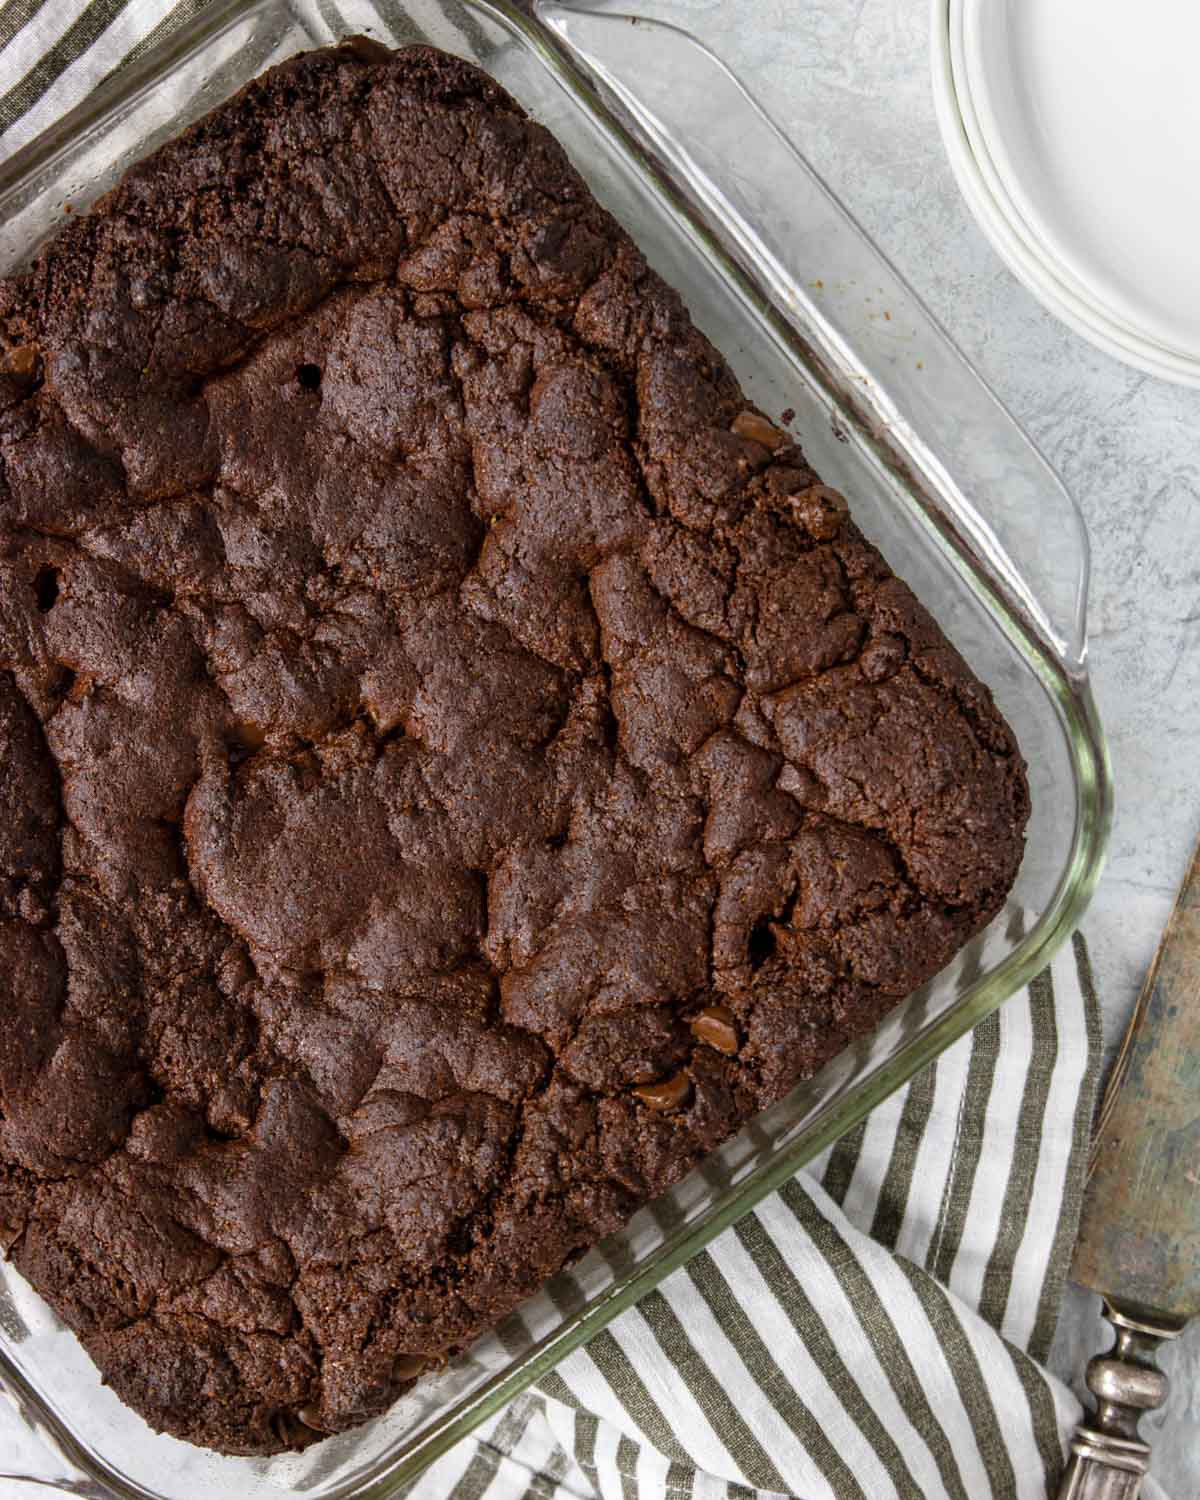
<point x="1108" y="1458"/>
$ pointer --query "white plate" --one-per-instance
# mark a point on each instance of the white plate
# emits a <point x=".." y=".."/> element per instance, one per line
<point x="1049" y="278"/>
<point x="1076" y="293"/>
<point x="1091" y="114"/>
<point x="1063" y="282"/>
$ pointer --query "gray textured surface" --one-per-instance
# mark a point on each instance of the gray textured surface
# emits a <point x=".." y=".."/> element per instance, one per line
<point x="849" y="80"/>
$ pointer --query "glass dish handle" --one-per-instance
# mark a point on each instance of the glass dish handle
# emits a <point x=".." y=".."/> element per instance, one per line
<point x="903" y="380"/>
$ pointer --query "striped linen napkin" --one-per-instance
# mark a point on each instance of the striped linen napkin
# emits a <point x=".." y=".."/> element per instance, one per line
<point x="874" y="1329"/>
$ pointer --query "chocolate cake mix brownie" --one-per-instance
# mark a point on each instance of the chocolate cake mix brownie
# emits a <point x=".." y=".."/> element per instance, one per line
<point x="458" y="760"/>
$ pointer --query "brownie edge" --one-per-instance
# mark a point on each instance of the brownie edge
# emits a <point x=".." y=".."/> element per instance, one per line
<point x="457" y="761"/>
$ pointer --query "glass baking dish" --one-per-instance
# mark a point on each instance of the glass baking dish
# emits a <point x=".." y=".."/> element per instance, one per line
<point x="813" y="319"/>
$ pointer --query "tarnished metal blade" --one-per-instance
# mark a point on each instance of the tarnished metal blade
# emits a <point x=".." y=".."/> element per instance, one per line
<point x="1139" y="1240"/>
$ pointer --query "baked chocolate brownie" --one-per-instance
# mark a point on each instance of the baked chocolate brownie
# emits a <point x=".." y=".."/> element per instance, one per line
<point x="459" y="762"/>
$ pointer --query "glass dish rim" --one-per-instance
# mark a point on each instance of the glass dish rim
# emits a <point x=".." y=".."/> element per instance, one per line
<point x="1065" y="682"/>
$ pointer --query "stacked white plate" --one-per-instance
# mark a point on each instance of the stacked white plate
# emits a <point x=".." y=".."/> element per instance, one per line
<point x="1073" y="128"/>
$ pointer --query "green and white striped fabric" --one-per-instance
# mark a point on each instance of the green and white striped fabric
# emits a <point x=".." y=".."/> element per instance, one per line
<point x="875" y="1329"/>
<point x="54" y="52"/>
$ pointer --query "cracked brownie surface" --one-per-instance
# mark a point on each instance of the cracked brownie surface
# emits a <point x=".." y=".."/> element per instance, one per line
<point x="457" y="762"/>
